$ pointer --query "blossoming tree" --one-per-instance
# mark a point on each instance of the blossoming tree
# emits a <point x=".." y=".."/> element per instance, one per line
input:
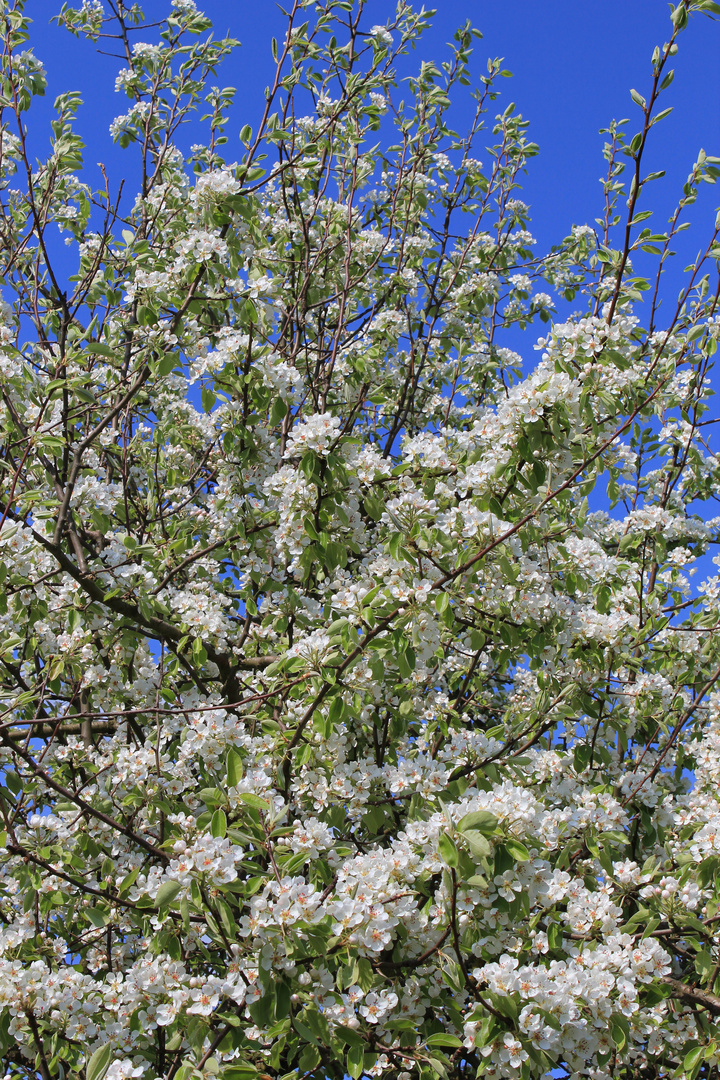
<point x="343" y="730"/>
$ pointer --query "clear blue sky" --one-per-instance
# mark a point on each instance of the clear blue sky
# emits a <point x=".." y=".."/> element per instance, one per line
<point x="573" y="63"/>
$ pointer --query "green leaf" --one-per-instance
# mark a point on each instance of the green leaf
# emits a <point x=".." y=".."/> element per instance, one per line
<point x="518" y="851"/>
<point x="693" y="1058"/>
<point x="614" y="836"/>
<point x="640" y="917"/>
<point x="218" y="824"/>
<point x="348" y="974"/>
<point x="374" y="507"/>
<point x="406" y="661"/>
<point x="447" y="849"/>
<point x="581" y="757"/>
<point x="349" y="1037"/>
<point x="250" y="799"/>
<point x="14" y="782"/>
<point x="620" y="1031"/>
<point x="97" y="917"/>
<point x="441" y="1039"/>
<point x="506" y="1004"/>
<point x="554" y="935"/>
<point x="453" y="974"/>
<point x="226" y="918"/>
<point x="184" y="1072"/>
<point x="704" y="962"/>
<point x="478" y="821"/>
<point x="99" y="1063"/>
<point x="335" y="554"/>
<point x="679" y="17"/>
<point x="278" y="411"/>
<point x="128" y="881"/>
<point x="166" y="364"/>
<point x="442" y="602"/>
<point x="234" y="768"/>
<point x="303" y="1031"/>
<point x="479" y="845"/>
<point x="355" y="1061"/>
<point x="167" y="893"/>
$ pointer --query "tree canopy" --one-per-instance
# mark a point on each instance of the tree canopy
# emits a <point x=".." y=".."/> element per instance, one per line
<point x="358" y="713"/>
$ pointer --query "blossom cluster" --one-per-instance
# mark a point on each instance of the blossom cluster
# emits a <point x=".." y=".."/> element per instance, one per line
<point x="360" y="712"/>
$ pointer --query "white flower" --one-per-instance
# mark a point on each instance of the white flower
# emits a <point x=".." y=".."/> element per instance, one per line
<point x="317" y="432"/>
<point x="123" y="1070"/>
<point x="382" y="35"/>
<point x="376" y="1006"/>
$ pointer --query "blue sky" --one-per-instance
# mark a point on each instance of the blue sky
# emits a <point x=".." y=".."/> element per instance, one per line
<point x="573" y="64"/>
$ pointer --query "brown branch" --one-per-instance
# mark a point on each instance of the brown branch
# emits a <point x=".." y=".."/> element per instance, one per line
<point x="693" y="993"/>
